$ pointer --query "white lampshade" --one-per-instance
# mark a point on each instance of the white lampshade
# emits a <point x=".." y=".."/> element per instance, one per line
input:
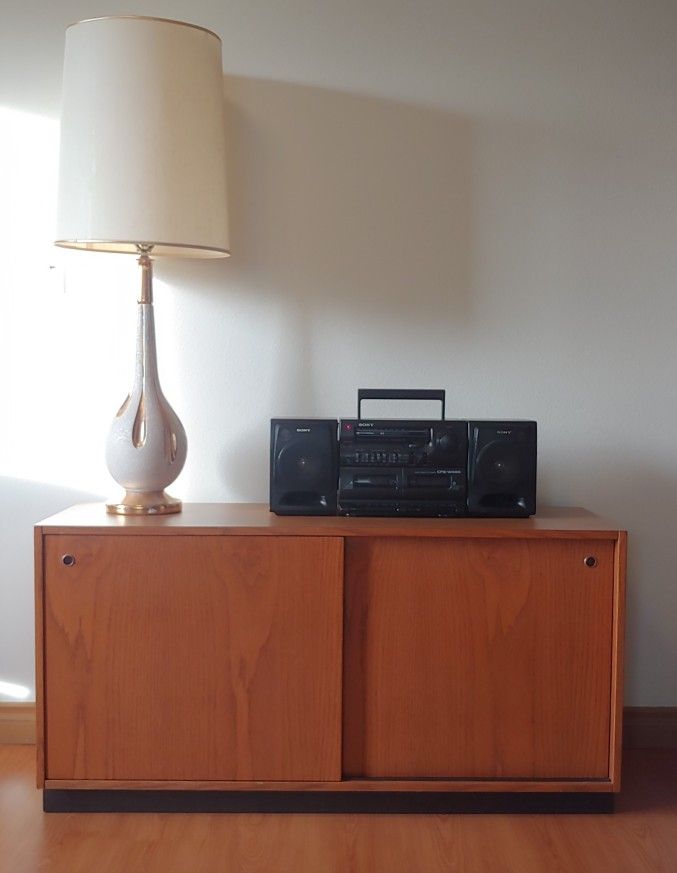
<point x="143" y="139"/>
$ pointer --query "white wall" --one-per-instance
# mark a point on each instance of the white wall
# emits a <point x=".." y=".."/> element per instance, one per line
<point x="478" y="196"/>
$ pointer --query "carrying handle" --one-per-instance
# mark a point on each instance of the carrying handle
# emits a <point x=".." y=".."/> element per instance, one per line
<point x="399" y="394"/>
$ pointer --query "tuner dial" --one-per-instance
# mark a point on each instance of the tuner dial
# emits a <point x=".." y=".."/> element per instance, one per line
<point x="445" y="441"/>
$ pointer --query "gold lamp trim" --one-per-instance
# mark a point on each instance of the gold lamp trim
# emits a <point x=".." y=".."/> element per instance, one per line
<point x="113" y="246"/>
<point x="144" y="18"/>
<point x="145" y="503"/>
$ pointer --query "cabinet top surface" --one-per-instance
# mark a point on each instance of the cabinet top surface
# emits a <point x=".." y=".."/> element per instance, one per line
<point x="256" y="519"/>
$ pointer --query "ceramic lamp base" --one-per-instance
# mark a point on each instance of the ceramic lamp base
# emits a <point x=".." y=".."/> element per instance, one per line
<point x="145" y="503"/>
<point x="146" y="446"/>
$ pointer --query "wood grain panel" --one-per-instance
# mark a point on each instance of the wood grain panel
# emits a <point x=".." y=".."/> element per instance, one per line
<point x="477" y="658"/>
<point x="38" y="572"/>
<point x="618" y="660"/>
<point x="238" y="519"/>
<point x="193" y="658"/>
<point x="379" y="786"/>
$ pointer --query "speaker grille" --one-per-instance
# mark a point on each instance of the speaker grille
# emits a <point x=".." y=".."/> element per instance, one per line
<point x="502" y="468"/>
<point x="303" y="466"/>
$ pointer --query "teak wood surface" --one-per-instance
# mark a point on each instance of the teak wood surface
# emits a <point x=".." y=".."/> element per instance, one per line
<point x="184" y="659"/>
<point x="205" y="651"/>
<point x="480" y="659"/>
<point x="240" y="519"/>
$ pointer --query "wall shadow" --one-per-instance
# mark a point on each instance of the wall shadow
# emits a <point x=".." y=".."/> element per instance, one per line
<point x="347" y="199"/>
<point x="341" y="206"/>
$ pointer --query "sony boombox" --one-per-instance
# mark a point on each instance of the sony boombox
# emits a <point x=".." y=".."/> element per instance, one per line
<point x="391" y="467"/>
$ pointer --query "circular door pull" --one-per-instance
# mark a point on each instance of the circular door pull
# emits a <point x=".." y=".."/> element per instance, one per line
<point x="68" y="560"/>
<point x="590" y="561"/>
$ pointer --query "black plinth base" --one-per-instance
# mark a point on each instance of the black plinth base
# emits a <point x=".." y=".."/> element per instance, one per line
<point x="80" y="800"/>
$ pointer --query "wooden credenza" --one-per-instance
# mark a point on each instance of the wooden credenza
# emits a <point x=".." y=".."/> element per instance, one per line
<point x="228" y="650"/>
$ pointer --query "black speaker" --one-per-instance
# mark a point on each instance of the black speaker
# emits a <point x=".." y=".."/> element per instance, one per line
<point x="502" y="468"/>
<point x="303" y="466"/>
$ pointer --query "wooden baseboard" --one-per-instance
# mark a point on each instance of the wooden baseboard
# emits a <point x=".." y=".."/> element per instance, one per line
<point x="650" y="727"/>
<point x="17" y="723"/>
<point x="644" y="727"/>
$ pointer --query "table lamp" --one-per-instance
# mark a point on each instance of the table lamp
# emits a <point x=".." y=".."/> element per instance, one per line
<point x="142" y="171"/>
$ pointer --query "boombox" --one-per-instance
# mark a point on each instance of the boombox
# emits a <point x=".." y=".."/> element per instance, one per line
<point x="396" y="467"/>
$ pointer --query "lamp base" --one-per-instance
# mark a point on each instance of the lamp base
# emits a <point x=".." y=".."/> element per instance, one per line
<point x="145" y="503"/>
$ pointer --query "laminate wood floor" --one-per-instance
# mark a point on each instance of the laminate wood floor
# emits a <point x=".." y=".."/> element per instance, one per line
<point x="640" y="836"/>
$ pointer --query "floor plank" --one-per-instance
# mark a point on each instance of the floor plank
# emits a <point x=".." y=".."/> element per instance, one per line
<point x="641" y="837"/>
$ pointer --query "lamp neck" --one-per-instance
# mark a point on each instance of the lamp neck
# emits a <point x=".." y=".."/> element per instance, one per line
<point x="146" y="264"/>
